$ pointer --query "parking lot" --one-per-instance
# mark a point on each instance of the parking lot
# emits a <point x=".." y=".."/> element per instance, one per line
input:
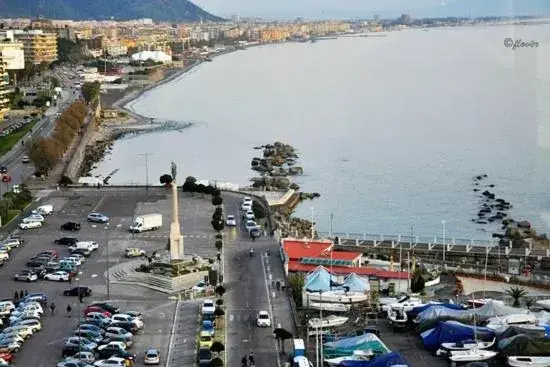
<point x="44" y="349"/>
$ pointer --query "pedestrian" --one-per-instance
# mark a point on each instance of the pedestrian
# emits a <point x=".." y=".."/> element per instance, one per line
<point x="16" y="296"/>
<point x="70" y="278"/>
<point x="253" y="238"/>
<point x="244" y="361"/>
<point x="52" y="308"/>
<point x="251" y="359"/>
<point x="69" y="309"/>
<point x="26" y="292"/>
<point x="21" y="294"/>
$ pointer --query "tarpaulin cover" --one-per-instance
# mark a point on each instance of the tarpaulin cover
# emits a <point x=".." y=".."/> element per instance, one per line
<point x="537" y="332"/>
<point x="524" y="345"/>
<point x="346" y="347"/>
<point x="418" y="309"/>
<point x="452" y="332"/>
<point x="386" y="360"/>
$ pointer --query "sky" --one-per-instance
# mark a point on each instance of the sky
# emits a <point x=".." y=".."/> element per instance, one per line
<point x="318" y="9"/>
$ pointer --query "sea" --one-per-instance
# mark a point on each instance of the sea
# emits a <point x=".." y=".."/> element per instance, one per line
<point x="390" y="129"/>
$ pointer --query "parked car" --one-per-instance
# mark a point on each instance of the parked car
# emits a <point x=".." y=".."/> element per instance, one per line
<point x="25" y="159"/>
<point x="33" y="218"/>
<point x="113" y="345"/>
<point x="72" y="349"/>
<point x="16" y="318"/>
<point x="32" y="322"/>
<point x="204" y="354"/>
<point x="250" y="224"/>
<point x="80" y="251"/>
<point x="26" y="276"/>
<point x="134" y="252"/>
<point x="117" y="333"/>
<point x="83" y="342"/>
<point x="58" y="276"/>
<point x="95" y="309"/>
<point x="70" y="226"/>
<point x="205" y="339"/>
<point x="255" y="233"/>
<point x="90" y="335"/>
<point x="151" y="357"/>
<point x="66" y="241"/>
<point x="127" y="318"/>
<point x="86" y="357"/>
<point x="126" y="325"/>
<point x="76" y="291"/>
<point x="106" y="306"/>
<point x="98" y="218"/>
<point x="111" y="362"/>
<point x="208" y="306"/>
<point x="115" y="352"/>
<point x="30" y="225"/>
<point x="85" y="326"/>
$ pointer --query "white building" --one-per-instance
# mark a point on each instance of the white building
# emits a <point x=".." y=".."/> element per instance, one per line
<point x="12" y="55"/>
<point x="157" y="56"/>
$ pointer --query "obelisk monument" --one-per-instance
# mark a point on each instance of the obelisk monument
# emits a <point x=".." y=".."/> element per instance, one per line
<point x="176" y="238"/>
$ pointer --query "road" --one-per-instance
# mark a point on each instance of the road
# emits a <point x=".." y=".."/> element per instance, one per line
<point x="44" y="127"/>
<point x="44" y="349"/>
<point x="249" y="291"/>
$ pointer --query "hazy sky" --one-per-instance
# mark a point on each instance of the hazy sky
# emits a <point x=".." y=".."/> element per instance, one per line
<point x="367" y="8"/>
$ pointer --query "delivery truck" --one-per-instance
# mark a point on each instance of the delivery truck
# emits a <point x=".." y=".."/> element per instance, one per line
<point x="146" y="222"/>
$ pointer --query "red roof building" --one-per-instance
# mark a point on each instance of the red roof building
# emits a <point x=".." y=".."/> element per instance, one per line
<point x="305" y="256"/>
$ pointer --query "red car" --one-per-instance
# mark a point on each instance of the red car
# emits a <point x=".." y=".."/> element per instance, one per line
<point x="90" y="309"/>
<point x="6" y="357"/>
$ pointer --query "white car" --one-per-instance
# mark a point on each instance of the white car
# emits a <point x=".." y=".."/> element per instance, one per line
<point x="31" y="306"/>
<point x="29" y="315"/>
<point x="247" y="200"/>
<point x="77" y="260"/>
<point x="11" y="242"/>
<point x="249" y="215"/>
<point x="59" y="276"/>
<point x="199" y="287"/>
<point x="120" y="345"/>
<point x="208" y="306"/>
<point x="250" y="225"/>
<point x="127" y="318"/>
<point x="86" y="357"/>
<point x="231" y="221"/>
<point x="152" y="356"/>
<point x="78" y="257"/>
<point x="246" y="206"/>
<point x="23" y="331"/>
<point x="263" y="319"/>
<point x="33" y="218"/>
<point x="12" y="336"/>
<point x="30" y="225"/>
<point x="4" y="255"/>
<point x="111" y="362"/>
<point x="34" y="323"/>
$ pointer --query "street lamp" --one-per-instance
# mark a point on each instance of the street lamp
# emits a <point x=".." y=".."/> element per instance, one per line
<point x="106" y="228"/>
<point x="79" y="306"/>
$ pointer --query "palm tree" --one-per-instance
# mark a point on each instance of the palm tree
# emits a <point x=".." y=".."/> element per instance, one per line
<point x="516" y="293"/>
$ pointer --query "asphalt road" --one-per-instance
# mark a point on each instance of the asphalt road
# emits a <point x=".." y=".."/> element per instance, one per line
<point x="247" y="294"/>
<point x="44" y="349"/>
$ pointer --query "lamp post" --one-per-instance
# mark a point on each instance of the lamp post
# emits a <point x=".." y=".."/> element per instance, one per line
<point x="318" y="336"/>
<point x="106" y="229"/>
<point x="146" y="155"/>
<point x="312" y="224"/>
<point x="79" y="304"/>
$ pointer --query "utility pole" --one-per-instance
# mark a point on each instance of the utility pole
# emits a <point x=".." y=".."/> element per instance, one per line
<point x="331" y="220"/>
<point x="312" y="225"/>
<point x="146" y="155"/>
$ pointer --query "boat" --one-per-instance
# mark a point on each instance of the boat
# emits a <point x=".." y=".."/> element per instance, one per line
<point x="358" y="355"/>
<point x="529" y="361"/>
<point x="472" y="355"/>
<point x="338" y="297"/>
<point x="406" y="304"/>
<point x="397" y="317"/>
<point x="476" y="303"/>
<point x="496" y="323"/>
<point x="327" y="322"/>
<point x="331" y="307"/>
<point x="544" y="303"/>
<point x="467" y="344"/>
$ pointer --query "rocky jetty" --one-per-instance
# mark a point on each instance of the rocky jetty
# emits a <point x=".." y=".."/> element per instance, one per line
<point x="291" y="226"/>
<point x="496" y="210"/>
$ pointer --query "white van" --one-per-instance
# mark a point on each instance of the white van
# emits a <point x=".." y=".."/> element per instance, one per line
<point x="44" y="210"/>
<point x="5" y="310"/>
<point x="83" y="245"/>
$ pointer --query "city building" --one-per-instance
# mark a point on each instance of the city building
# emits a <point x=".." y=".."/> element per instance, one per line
<point x="13" y="55"/>
<point x="39" y="47"/>
<point x="5" y="89"/>
<point x="157" y="56"/>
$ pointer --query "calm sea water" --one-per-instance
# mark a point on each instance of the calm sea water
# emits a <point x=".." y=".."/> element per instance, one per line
<point x="390" y="130"/>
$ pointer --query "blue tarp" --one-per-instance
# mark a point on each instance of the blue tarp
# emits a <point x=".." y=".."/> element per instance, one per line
<point x="418" y="309"/>
<point x="452" y="332"/>
<point x="319" y="280"/>
<point x="356" y="283"/>
<point x="386" y="360"/>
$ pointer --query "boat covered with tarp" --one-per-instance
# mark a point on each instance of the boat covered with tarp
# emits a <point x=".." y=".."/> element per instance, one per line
<point x="429" y="317"/>
<point x="419" y="309"/>
<point x="346" y="347"/>
<point x="537" y="332"/>
<point x="452" y="332"/>
<point x="524" y="345"/>
<point x="390" y="359"/>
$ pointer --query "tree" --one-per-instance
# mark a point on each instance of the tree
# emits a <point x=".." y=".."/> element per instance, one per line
<point x="219" y="312"/>
<point x="217" y="200"/>
<point x="281" y="335"/>
<point x="417" y="282"/>
<point x="44" y="154"/>
<point x="219" y="302"/>
<point x="220" y="290"/>
<point x="516" y="293"/>
<point x="296" y="283"/>
<point x="219" y="245"/>
<point x="166" y="180"/>
<point x="529" y="303"/>
<point x="218" y="225"/>
<point x="90" y="91"/>
<point x="217" y="347"/>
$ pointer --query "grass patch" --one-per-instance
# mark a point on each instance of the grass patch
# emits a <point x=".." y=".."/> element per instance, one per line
<point x="12" y="213"/>
<point x="8" y="142"/>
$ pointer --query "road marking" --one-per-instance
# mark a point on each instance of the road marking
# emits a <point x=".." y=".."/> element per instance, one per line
<point x="271" y="310"/>
<point x="231" y="317"/>
<point x="170" y="345"/>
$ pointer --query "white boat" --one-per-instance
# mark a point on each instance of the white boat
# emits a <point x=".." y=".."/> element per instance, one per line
<point x="496" y="323"/>
<point x="544" y="303"/>
<point x="529" y="361"/>
<point x="471" y="355"/>
<point x="338" y="297"/>
<point x="332" y="307"/>
<point x="476" y="303"/>
<point x="327" y="322"/>
<point x="397" y="316"/>
<point x="467" y="344"/>
<point x="407" y="305"/>
<point x="358" y="355"/>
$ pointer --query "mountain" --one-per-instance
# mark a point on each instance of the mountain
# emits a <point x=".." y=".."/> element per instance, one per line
<point x="162" y="10"/>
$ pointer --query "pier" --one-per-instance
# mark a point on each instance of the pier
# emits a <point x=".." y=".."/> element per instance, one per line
<point x="449" y="251"/>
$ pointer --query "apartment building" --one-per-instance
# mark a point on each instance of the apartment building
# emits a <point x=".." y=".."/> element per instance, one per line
<point x="5" y="89"/>
<point x="13" y="55"/>
<point x="39" y="47"/>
